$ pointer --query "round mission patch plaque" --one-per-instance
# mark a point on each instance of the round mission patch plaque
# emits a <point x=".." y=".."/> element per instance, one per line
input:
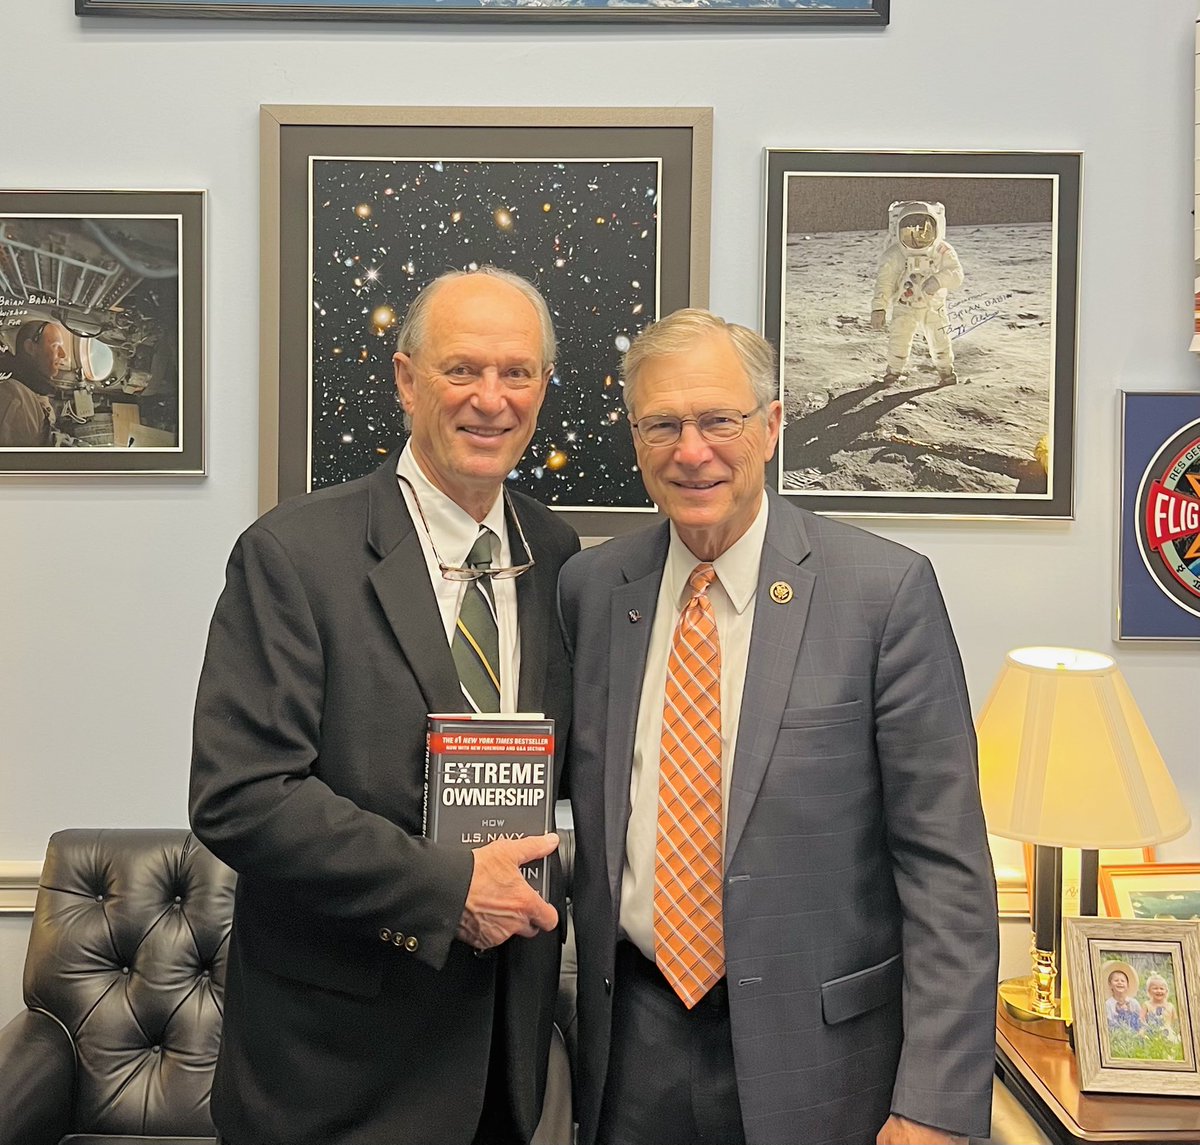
<point x="1167" y="517"/>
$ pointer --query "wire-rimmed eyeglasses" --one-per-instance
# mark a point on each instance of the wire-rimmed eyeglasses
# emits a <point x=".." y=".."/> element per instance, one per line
<point x="715" y="426"/>
<point x="465" y="572"/>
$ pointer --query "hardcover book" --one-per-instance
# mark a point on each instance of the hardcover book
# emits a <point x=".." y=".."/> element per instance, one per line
<point x="489" y="776"/>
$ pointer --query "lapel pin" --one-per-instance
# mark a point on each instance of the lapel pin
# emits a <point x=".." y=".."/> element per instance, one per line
<point x="781" y="592"/>
<point x="634" y="616"/>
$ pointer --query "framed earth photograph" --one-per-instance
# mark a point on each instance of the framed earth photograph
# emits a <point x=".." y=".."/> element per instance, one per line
<point x="1151" y="890"/>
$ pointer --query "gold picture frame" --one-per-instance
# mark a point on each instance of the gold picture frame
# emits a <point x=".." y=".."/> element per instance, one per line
<point x="1151" y="890"/>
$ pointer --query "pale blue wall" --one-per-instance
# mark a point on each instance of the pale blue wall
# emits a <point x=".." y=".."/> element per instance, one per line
<point x="106" y="587"/>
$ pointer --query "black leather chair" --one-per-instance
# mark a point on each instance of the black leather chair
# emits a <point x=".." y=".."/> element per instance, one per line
<point x="124" y="980"/>
<point x="124" y="984"/>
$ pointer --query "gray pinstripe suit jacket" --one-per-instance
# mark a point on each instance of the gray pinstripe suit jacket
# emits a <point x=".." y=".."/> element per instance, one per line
<point x="859" y="905"/>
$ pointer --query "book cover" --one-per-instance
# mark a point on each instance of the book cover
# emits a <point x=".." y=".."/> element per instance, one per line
<point x="487" y="777"/>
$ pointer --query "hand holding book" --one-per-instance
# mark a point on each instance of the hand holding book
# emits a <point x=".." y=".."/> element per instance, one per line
<point x="500" y="902"/>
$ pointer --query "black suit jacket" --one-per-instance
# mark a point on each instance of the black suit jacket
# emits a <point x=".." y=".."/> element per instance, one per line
<point x="352" y="1016"/>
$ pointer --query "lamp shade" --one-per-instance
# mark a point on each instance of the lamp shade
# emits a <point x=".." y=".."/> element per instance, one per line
<point x="1066" y="760"/>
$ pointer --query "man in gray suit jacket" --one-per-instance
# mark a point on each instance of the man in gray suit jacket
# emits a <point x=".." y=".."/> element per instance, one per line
<point x="824" y="969"/>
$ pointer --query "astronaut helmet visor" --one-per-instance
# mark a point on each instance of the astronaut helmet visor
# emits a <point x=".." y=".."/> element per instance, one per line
<point x="917" y="231"/>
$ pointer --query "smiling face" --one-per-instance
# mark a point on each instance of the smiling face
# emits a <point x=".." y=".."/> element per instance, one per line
<point x="1158" y="991"/>
<point x="46" y="350"/>
<point x="473" y="388"/>
<point x="711" y="491"/>
<point x="1118" y="984"/>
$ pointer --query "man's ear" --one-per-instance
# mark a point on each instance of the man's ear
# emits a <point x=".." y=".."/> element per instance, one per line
<point x="774" y="413"/>
<point x="403" y="366"/>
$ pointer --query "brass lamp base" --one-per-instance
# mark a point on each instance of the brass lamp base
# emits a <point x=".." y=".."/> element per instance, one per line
<point x="1019" y="997"/>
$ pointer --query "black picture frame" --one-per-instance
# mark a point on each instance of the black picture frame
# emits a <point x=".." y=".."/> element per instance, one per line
<point x="999" y="443"/>
<point x="854" y="13"/>
<point x="331" y="299"/>
<point x="117" y="277"/>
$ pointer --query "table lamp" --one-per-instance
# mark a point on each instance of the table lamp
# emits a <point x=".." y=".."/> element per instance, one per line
<point x="1066" y="760"/>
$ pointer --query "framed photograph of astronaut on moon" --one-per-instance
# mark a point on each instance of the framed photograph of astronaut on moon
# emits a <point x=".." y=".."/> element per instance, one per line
<point x="102" y="332"/>
<point x="606" y="211"/>
<point x="923" y="304"/>
<point x="1135" y="1000"/>
<point x="840" y="12"/>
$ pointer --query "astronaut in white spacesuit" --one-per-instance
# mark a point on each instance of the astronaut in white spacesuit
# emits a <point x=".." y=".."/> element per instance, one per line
<point x="916" y="272"/>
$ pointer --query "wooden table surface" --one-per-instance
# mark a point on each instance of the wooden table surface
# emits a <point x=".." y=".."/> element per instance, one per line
<point x="1043" y="1075"/>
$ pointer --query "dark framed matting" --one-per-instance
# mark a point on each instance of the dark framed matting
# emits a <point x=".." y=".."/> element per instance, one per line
<point x="605" y="210"/>
<point x="974" y="415"/>
<point x="102" y="314"/>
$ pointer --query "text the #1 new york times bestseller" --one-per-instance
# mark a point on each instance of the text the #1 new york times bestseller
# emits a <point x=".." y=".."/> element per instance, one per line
<point x="489" y="777"/>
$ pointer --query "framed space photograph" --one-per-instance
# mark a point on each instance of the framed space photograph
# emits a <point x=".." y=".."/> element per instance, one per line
<point x="1135" y="996"/>
<point x="1158" y="573"/>
<point x="101" y="332"/>
<point x="606" y="211"/>
<point x="840" y="12"/>
<point x="924" y="307"/>
<point x="1151" y="890"/>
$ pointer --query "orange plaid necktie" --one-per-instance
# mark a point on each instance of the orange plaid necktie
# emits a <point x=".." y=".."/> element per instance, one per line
<point x="689" y="944"/>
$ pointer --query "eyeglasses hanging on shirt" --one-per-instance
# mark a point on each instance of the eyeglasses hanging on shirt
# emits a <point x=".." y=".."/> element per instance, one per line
<point x="466" y="572"/>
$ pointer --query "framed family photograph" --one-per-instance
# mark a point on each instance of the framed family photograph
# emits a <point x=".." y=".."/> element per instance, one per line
<point x="101" y="332"/>
<point x="1158" y="573"/>
<point x="924" y="307"/>
<point x="866" y="13"/>
<point x="1135" y="993"/>
<point x="606" y="211"/>
<point x="1151" y="890"/>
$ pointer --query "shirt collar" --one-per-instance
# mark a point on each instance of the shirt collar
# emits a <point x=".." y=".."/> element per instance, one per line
<point x="451" y="528"/>
<point x="736" y="568"/>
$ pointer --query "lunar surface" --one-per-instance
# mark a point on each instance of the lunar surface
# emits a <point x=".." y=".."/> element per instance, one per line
<point x="845" y="431"/>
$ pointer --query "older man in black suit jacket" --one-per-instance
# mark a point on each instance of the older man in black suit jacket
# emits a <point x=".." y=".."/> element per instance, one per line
<point x="382" y="988"/>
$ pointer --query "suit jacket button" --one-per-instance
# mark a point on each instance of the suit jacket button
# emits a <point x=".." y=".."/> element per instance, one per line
<point x="385" y="935"/>
<point x="608" y="985"/>
<point x="397" y="939"/>
<point x="411" y="944"/>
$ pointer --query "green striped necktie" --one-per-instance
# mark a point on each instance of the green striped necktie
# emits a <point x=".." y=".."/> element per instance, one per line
<point x="476" y="643"/>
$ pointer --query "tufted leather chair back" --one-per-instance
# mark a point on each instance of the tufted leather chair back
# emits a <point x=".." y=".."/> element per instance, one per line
<point x="127" y="952"/>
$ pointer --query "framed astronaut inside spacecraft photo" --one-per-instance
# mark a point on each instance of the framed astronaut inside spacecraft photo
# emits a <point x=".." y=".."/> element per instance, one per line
<point x="923" y="304"/>
<point x="604" y="210"/>
<point x="101" y="332"/>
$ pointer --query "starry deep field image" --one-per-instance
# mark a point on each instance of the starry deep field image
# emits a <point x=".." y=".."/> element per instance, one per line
<point x="585" y="232"/>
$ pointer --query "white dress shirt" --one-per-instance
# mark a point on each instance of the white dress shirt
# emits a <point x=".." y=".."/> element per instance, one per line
<point x="732" y="594"/>
<point x="453" y="532"/>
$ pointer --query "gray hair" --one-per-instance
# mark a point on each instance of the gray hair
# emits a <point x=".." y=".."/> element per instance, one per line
<point x="681" y="330"/>
<point x="412" y="329"/>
